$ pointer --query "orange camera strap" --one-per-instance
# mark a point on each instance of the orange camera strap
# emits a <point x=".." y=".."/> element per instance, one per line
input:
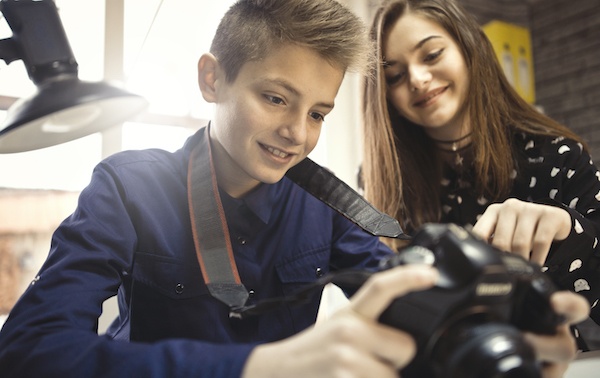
<point x="209" y="226"/>
<point x="209" y="229"/>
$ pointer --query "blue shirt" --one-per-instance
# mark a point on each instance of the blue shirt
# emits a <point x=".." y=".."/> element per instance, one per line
<point x="131" y="235"/>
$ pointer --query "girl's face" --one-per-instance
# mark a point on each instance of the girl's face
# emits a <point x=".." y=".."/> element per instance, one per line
<point x="426" y="76"/>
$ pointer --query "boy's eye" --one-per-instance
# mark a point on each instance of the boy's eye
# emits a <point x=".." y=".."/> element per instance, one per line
<point x="274" y="99"/>
<point x="317" y="116"/>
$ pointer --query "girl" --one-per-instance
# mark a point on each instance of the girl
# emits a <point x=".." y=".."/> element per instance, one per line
<point x="446" y="133"/>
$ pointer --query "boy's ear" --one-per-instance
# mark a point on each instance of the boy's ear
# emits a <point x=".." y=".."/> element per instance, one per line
<point x="208" y="67"/>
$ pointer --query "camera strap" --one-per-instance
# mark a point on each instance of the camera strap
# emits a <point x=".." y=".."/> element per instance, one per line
<point x="211" y="234"/>
<point x="338" y="195"/>
<point x="209" y="228"/>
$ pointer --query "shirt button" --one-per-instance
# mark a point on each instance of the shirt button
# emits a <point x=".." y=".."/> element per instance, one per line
<point x="251" y="293"/>
<point x="179" y="288"/>
<point x="241" y="240"/>
<point x="319" y="272"/>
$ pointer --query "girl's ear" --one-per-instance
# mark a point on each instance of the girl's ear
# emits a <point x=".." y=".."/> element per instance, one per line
<point x="208" y="67"/>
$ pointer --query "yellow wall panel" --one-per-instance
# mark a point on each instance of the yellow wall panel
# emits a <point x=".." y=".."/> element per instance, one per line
<point x="512" y="44"/>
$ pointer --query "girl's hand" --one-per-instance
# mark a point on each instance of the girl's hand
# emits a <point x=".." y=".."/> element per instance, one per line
<point x="524" y="228"/>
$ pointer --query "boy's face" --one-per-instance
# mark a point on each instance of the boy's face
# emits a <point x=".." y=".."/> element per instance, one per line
<point x="270" y="117"/>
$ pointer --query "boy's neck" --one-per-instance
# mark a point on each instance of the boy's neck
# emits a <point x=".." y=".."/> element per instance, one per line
<point x="230" y="182"/>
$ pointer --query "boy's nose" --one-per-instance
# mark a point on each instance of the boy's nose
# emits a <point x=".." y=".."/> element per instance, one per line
<point x="295" y="130"/>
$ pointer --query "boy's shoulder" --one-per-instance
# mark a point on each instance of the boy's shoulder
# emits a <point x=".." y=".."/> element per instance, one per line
<point x="149" y="167"/>
<point x="128" y="157"/>
<point x="154" y="156"/>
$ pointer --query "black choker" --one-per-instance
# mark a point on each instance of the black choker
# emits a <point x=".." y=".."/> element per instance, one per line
<point x="454" y="142"/>
<point x="454" y="148"/>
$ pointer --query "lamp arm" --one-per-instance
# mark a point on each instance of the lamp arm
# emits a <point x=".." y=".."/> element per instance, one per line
<point x="8" y="50"/>
<point x="39" y="38"/>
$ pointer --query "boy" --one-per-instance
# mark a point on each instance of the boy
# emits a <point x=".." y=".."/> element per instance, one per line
<point x="273" y="72"/>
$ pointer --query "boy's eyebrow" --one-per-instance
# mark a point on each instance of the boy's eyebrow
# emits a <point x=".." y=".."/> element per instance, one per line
<point x="287" y="86"/>
<point x="388" y="63"/>
<point x="290" y="88"/>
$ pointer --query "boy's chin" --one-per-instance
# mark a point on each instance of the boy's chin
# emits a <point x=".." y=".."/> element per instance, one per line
<point x="271" y="177"/>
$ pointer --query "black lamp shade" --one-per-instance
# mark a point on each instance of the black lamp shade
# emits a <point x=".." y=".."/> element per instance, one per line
<point x="63" y="110"/>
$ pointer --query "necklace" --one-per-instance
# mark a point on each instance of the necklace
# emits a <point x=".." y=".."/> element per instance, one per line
<point x="454" y="148"/>
<point x="459" y="155"/>
<point x="454" y="142"/>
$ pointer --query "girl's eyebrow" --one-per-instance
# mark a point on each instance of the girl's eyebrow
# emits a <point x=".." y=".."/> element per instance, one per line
<point x="389" y="63"/>
<point x="425" y="40"/>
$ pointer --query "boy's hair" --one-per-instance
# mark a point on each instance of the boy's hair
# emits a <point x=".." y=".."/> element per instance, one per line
<point x="251" y="29"/>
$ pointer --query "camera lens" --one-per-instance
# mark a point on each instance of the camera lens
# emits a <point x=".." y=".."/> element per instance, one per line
<point x="485" y="350"/>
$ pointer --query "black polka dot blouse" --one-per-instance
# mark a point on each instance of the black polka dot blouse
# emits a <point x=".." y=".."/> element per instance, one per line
<point x="553" y="171"/>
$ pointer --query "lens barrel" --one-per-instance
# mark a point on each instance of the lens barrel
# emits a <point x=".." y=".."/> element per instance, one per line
<point x="485" y="350"/>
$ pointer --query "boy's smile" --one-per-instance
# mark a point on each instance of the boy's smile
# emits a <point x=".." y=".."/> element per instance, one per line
<point x="269" y="118"/>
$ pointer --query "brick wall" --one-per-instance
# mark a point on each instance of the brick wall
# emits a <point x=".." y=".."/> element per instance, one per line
<point x="566" y="54"/>
<point x="513" y="11"/>
<point x="566" y="46"/>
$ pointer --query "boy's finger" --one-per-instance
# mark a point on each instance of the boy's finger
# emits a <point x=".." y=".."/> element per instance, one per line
<point x="557" y="348"/>
<point x="573" y="306"/>
<point x="382" y="288"/>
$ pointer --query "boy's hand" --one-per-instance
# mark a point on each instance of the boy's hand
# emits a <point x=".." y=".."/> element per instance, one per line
<point x="559" y="350"/>
<point x="352" y="343"/>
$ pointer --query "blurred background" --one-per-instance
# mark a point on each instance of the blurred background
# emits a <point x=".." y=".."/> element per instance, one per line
<point x="550" y="50"/>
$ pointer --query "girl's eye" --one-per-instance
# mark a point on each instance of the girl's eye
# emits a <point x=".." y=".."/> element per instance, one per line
<point x="274" y="99"/>
<point x="434" y="55"/>
<point x="395" y="79"/>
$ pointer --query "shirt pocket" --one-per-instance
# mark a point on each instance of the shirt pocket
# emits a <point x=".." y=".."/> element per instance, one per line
<point x="175" y="279"/>
<point x="301" y="269"/>
<point x="169" y="300"/>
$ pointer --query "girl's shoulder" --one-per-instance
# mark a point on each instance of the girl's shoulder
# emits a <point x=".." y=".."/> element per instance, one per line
<point x="535" y="145"/>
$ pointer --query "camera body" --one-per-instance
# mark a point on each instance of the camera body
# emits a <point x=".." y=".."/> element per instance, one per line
<point x="470" y="324"/>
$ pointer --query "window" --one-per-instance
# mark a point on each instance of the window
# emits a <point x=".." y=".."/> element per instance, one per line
<point x="162" y="40"/>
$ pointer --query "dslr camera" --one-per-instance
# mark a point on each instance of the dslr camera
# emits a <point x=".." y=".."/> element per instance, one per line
<point x="470" y="324"/>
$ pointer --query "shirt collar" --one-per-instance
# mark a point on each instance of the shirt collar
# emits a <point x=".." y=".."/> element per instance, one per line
<point x="259" y="201"/>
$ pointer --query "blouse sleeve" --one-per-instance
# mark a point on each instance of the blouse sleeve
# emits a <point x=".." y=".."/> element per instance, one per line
<point x="574" y="184"/>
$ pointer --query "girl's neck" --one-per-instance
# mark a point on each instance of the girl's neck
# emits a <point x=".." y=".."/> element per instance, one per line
<point x="453" y="144"/>
<point x="455" y="156"/>
<point x="455" y="149"/>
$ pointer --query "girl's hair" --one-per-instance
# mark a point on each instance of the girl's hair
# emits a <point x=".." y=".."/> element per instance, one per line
<point x="251" y="29"/>
<point x="402" y="168"/>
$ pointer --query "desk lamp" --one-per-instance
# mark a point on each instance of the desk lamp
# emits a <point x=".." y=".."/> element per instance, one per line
<point x="63" y="108"/>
